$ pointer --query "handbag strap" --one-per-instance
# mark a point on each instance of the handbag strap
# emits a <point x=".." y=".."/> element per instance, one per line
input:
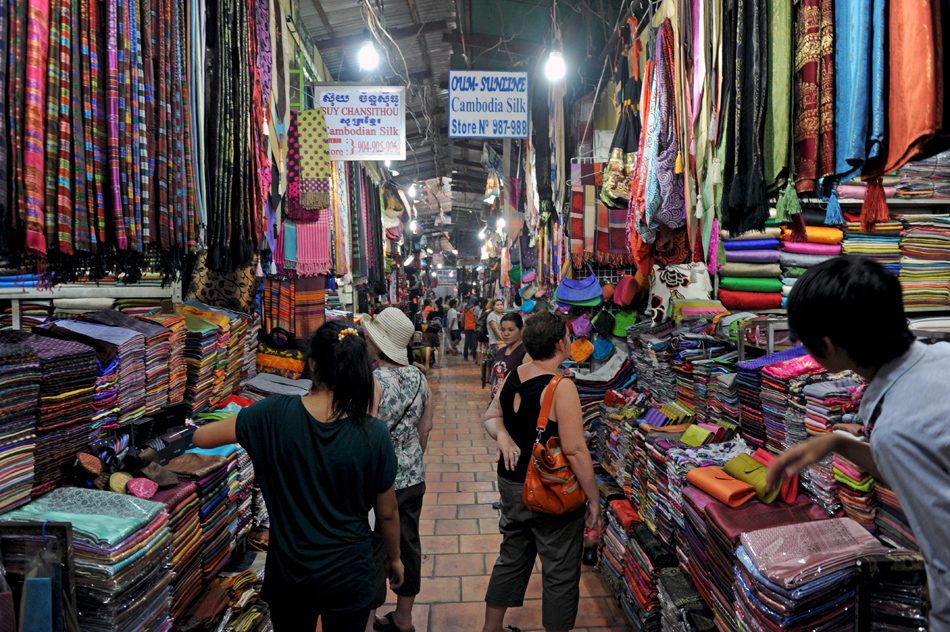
<point x="547" y="399"/>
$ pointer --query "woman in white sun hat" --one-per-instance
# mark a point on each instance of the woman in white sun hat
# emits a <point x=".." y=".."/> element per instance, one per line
<point x="404" y="406"/>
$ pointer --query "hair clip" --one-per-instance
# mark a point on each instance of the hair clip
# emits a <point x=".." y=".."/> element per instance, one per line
<point x="349" y="331"/>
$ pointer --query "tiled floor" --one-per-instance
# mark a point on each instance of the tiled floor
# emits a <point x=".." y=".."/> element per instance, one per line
<point x="460" y="529"/>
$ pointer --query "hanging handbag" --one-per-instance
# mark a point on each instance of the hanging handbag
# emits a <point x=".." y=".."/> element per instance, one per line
<point x="550" y="485"/>
<point x="580" y="291"/>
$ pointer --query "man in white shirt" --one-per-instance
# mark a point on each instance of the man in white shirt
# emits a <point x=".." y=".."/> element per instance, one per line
<point x="452" y="324"/>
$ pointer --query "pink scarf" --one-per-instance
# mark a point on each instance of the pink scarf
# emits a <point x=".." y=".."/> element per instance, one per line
<point x="313" y="246"/>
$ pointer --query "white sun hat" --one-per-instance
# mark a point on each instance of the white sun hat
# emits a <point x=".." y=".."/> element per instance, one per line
<point x="391" y="331"/>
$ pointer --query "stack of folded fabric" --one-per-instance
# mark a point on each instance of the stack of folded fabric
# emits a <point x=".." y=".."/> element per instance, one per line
<point x="897" y="595"/>
<point x="775" y="382"/>
<point x="892" y="525"/>
<point x="201" y="358"/>
<point x="654" y="482"/>
<point x="821" y="243"/>
<point x="617" y="374"/>
<point x="224" y="360"/>
<point x="177" y="335"/>
<point x="724" y="526"/>
<point x="882" y="244"/>
<point x="67" y="384"/>
<point x="19" y="387"/>
<point x="181" y="502"/>
<point x="245" y="508"/>
<point x="157" y="353"/>
<point x="614" y="550"/>
<point x="810" y="582"/>
<point x="925" y="262"/>
<point x="645" y="556"/>
<point x="652" y="354"/>
<point x="216" y="512"/>
<point x="705" y="375"/>
<point x="237" y="343"/>
<point x="114" y="345"/>
<point x="681" y="607"/>
<point x="122" y="549"/>
<point x="727" y="406"/>
<point x="251" y="344"/>
<point x="33" y="313"/>
<point x="264" y="385"/>
<point x="925" y="178"/>
<point x="749" y="279"/>
<point x="138" y="306"/>
<point x="749" y="385"/>
<point x="856" y="492"/>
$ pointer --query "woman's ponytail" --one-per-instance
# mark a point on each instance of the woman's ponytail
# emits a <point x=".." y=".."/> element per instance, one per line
<point x="343" y="366"/>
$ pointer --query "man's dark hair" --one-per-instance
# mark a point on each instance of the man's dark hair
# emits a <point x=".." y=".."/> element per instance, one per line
<point x="541" y="334"/>
<point x="453" y="303"/>
<point x="855" y="302"/>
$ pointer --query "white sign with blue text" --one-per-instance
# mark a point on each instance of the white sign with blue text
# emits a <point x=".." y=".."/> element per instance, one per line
<point x="488" y="104"/>
<point x="364" y="122"/>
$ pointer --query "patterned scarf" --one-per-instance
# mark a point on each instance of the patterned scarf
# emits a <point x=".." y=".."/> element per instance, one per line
<point x="309" y="305"/>
<point x="53" y="88"/>
<point x="814" y="97"/>
<point x="314" y="161"/>
<point x="4" y="138"/>
<point x="112" y="105"/>
<point x="34" y="181"/>
<point x="292" y="209"/>
<point x="577" y="215"/>
<point x="313" y="246"/>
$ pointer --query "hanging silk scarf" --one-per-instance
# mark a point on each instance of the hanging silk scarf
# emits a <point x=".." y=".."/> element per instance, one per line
<point x="314" y="162"/>
<point x="814" y="118"/>
<point x="5" y="174"/>
<point x="309" y="305"/>
<point x="778" y="116"/>
<point x="313" y="246"/>
<point x="34" y="169"/>
<point x="112" y="105"/>
<point x="79" y="171"/>
<point x="53" y="89"/>
<point x="292" y="207"/>
<point x="826" y="105"/>
<point x="577" y="214"/>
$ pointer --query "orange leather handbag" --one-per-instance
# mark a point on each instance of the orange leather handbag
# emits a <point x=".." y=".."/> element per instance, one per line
<point x="550" y="486"/>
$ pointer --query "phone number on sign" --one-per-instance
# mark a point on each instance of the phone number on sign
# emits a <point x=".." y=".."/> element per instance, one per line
<point x="509" y="128"/>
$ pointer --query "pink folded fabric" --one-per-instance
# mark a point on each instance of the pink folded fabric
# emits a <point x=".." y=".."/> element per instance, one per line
<point x="857" y="191"/>
<point x="805" y="248"/>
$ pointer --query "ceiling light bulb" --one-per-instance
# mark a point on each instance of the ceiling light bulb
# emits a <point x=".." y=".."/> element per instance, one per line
<point x="394" y="172"/>
<point x="429" y="250"/>
<point x="409" y="260"/>
<point x="500" y="224"/>
<point x="388" y="163"/>
<point x="439" y="266"/>
<point x="455" y="252"/>
<point x="413" y="226"/>
<point x="412" y="191"/>
<point x="481" y="234"/>
<point x="554" y="67"/>
<point x="368" y="57"/>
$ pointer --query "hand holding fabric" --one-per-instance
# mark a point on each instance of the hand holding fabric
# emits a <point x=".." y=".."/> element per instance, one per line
<point x="798" y="458"/>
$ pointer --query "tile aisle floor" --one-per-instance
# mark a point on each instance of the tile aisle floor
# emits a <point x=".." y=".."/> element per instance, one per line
<point x="460" y="529"/>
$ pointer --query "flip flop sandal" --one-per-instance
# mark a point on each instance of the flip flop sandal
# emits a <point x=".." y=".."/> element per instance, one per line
<point x="390" y="624"/>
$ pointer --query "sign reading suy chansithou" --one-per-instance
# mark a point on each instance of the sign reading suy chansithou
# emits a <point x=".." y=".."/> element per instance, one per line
<point x="364" y="122"/>
<point x="488" y="104"/>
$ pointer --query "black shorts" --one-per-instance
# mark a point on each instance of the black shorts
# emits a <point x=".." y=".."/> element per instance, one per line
<point x="456" y="335"/>
<point x="432" y="339"/>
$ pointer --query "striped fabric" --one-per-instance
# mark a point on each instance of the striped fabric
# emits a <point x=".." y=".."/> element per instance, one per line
<point x="313" y="246"/>
<point x="310" y="306"/>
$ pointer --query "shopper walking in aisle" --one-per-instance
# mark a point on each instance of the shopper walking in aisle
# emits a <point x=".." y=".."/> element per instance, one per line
<point x="432" y="338"/>
<point x="494" y="324"/>
<point x="512" y="355"/>
<point x="322" y="463"/>
<point x="512" y="420"/>
<point x="453" y="326"/>
<point x="470" y="319"/>
<point x="849" y="314"/>
<point x="404" y="407"/>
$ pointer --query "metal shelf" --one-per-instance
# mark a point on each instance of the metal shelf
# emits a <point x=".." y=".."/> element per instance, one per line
<point x="115" y="291"/>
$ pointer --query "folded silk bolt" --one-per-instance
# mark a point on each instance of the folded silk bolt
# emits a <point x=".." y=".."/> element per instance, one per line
<point x="750" y="284"/>
<point x="746" y="469"/>
<point x="724" y="488"/>
<point x="764" y="270"/>
<point x="735" y="300"/>
<point x="751" y="244"/>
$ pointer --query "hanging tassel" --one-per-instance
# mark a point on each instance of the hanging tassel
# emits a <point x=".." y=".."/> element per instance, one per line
<point x="874" y="209"/>
<point x="679" y="162"/>
<point x="714" y="245"/>
<point x="715" y="171"/>
<point x="833" y="216"/>
<point x="700" y="209"/>
<point x="788" y="204"/>
<point x="799" y="230"/>
<point x="273" y="268"/>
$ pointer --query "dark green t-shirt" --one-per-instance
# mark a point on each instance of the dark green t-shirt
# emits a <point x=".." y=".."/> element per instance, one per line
<point x="320" y="481"/>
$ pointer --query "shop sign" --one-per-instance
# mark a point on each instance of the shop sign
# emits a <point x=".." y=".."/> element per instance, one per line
<point x="488" y="104"/>
<point x="364" y="122"/>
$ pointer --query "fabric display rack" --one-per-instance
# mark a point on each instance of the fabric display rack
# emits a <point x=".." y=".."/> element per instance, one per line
<point x="680" y="455"/>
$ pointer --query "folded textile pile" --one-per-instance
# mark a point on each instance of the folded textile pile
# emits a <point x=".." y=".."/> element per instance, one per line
<point x="67" y="384"/>
<point x="883" y="244"/>
<point x="614" y="550"/>
<point x="896" y="591"/>
<point x="891" y="521"/>
<point x="653" y="483"/>
<point x="210" y="474"/>
<point x="926" y="178"/>
<point x="230" y="347"/>
<point x="775" y="383"/>
<point x="681" y="607"/>
<point x="288" y="363"/>
<point x="181" y="503"/>
<point x="681" y="461"/>
<point x="617" y="374"/>
<point x="201" y="360"/>
<point x="177" y="370"/>
<point x="821" y="243"/>
<point x="265" y="385"/>
<point x="652" y="354"/>
<point x="726" y="405"/>
<point x="19" y="388"/>
<point x="138" y="306"/>
<point x="856" y="492"/>
<point x="644" y="557"/>
<point x="122" y="550"/>
<point x="705" y="374"/>
<point x="122" y="353"/>
<point x="749" y="383"/>
<point x="245" y="507"/>
<point x="802" y="576"/>
<point x="925" y="261"/>
<point x="157" y="353"/>
<point x="33" y="313"/>
<point x="749" y="279"/>
<point x="251" y="344"/>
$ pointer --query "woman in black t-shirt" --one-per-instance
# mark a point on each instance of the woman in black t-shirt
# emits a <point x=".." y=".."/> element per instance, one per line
<point x="512" y="355"/>
<point x="322" y="463"/>
<point x="512" y="419"/>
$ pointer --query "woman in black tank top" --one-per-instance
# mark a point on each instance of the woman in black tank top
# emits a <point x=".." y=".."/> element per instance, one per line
<point x="512" y="419"/>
